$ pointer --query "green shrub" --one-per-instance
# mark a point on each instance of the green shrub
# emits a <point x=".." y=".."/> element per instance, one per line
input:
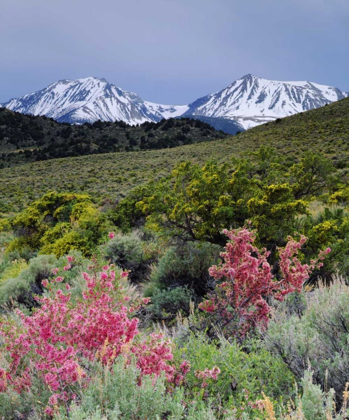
<point x="58" y="223"/>
<point x="24" y="405"/>
<point x="313" y="404"/>
<point x="115" y="394"/>
<point x="71" y="240"/>
<point x="197" y="203"/>
<point x="126" y="251"/>
<point x="185" y="265"/>
<point x="5" y="225"/>
<point x="244" y="375"/>
<point x="20" y="290"/>
<point x="5" y="238"/>
<point x="328" y="228"/>
<point x="22" y="253"/>
<point x="165" y="304"/>
<point x="314" y="400"/>
<point x="12" y="270"/>
<point x="126" y="215"/>
<point x="318" y="339"/>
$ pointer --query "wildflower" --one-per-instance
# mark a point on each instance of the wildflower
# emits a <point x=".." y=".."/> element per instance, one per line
<point x="208" y="374"/>
<point x="49" y="411"/>
<point x="207" y="306"/>
<point x="145" y="301"/>
<point x="185" y="367"/>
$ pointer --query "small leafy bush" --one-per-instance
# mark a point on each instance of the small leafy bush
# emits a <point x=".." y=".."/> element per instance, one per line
<point x="12" y="269"/>
<point x="318" y="339"/>
<point x="126" y="251"/>
<point x="58" y="223"/>
<point x="313" y="404"/>
<point x="165" y="304"/>
<point x="5" y="225"/>
<point x="116" y="394"/>
<point x="185" y="265"/>
<point x="328" y="228"/>
<point x="21" y="289"/>
<point x="125" y="214"/>
<point x="243" y="377"/>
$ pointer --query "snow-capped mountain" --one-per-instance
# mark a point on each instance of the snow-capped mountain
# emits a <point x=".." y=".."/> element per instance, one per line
<point x="248" y="101"/>
<point x="91" y="99"/>
<point x="252" y="100"/>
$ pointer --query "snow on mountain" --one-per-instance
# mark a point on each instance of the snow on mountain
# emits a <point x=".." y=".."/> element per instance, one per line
<point x="249" y="101"/>
<point x="166" y="111"/>
<point x="91" y="99"/>
<point x="252" y="100"/>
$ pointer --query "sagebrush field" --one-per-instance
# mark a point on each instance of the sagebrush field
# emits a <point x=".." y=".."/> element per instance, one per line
<point x="206" y="281"/>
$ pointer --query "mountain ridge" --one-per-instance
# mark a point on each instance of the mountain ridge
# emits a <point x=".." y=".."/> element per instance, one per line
<point x="88" y="100"/>
<point x="249" y="101"/>
<point x="252" y="100"/>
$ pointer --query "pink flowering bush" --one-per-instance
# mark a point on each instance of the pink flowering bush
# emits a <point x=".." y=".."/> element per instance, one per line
<point x="63" y="336"/>
<point x="239" y="302"/>
<point x="206" y="374"/>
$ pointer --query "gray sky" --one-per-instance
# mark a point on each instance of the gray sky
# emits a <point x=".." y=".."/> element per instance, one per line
<point x="171" y="51"/>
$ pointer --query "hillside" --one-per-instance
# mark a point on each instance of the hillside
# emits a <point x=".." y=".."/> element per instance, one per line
<point x="110" y="176"/>
<point x="25" y="138"/>
<point x="324" y="130"/>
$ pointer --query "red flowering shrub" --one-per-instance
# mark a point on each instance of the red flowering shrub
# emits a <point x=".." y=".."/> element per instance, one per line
<point x="239" y="303"/>
<point x="207" y="374"/>
<point x="55" y="341"/>
<point x="153" y="356"/>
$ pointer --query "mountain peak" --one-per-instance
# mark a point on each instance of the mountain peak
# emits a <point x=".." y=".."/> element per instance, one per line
<point x="252" y="100"/>
<point x="90" y="79"/>
<point x="250" y="76"/>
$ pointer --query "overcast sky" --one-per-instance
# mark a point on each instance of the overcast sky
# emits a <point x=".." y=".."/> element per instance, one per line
<point x="171" y="51"/>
